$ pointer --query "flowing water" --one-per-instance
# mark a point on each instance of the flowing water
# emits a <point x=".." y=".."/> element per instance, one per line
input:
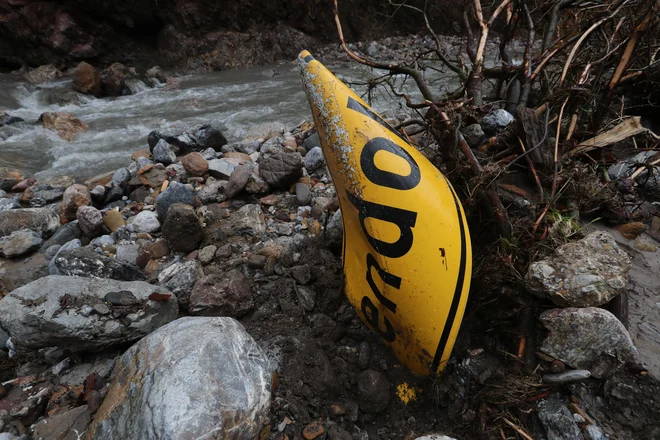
<point x="238" y="102"/>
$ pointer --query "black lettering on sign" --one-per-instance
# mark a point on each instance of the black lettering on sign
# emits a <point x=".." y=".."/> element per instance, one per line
<point x="371" y="315"/>
<point x="403" y="218"/>
<point x="356" y="106"/>
<point x="387" y="278"/>
<point x="387" y="178"/>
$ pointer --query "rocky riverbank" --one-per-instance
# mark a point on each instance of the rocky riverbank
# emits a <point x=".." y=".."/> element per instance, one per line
<point x="198" y="291"/>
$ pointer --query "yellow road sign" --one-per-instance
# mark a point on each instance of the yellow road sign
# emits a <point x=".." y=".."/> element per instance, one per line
<point x="407" y="256"/>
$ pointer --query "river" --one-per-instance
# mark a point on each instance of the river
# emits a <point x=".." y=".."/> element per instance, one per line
<point x="238" y="102"/>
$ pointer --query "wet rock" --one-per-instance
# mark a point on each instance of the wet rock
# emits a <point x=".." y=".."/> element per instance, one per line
<point x="207" y="253"/>
<point x="113" y="220"/>
<point x="6" y="119"/>
<point x="75" y="196"/>
<point x="195" y="164"/>
<point x="590" y="338"/>
<point x="39" y="220"/>
<point x="221" y="168"/>
<point x="42" y="74"/>
<point x="98" y="193"/>
<point x="238" y="180"/>
<point x="19" y="243"/>
<point x="121" y="177"/>
<point x="46" y="313"/>
<point x="84" y="262"/>
<point x="281" y="170"/>
<point x="373" y="390"/>
<point x="175" y="193"/>
<point x="180" y="278"/>
<point x="113" y="79"/>
<point x="9" y="177"/>
<point x="146" y="221"/>
<point x="249" y="220"/>
<point x="87" y="80"/>
<point x="133" y="86"/>
<point x="311" y="142"/>
<point x="182" y="228"/>
<point x="164" y="153"/>
<point x="303" y="194"/>
<point x="90" y="220"/>
<point x="557" y="420"/>
<point x="165" y="398"/>
<point x="64" y="425"/>
<point x="65" y="124"/>
<point x="62" y="97"/>
<point x="496" y="120"/>
<point x="115" y="194"/>
<point x="196" y="138"/>
<point x="314" y="159"/>
<point x="473" y="135"/>
<point x="584" y="273"/>
<point x="227" y="295"/>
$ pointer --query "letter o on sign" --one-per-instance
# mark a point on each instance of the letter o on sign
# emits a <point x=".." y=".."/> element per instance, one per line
<point x="387" y="178"/>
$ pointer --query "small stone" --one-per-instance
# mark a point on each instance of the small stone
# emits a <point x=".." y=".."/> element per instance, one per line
<point x="280" y="170"/>
<point x="146" y="221"/>
<point x="175" y="193"/>
<point x="182" y="228"/>
<point x="589" y="338"/>
<point x="311" y="142"/>
<point x="227" y="295"/>
<point x="98" y="193"/>
<point x="114" y="194"/>
<point x="314" y="159"/>
<point x="585" y="273"/>
<point x="19" y="243"/>
<point x="238" y="180"/>
<point x="87" y="80"/>
<point x="121" y="177"/>
<point x="306" y="297"/>
<point x="257" y="261"/>
<point x="473" y="135"/>
<point x="121" y="298"/>
<point x="557" y="420"/>
<point x="248" y="220"/>
<point x="158" y="249"/>
<point x="101" y="309"/>
<point x="557" y="366"/>
<point x="224" y="252"/>
<point x="113" y="220"/>
<point x="313" y="430"/>
<point x="221" y="168"/>
<point x="195" y="164"/>
<point x="207" y="253"/>
<point x="270" y="200"/>
<point x="75" y="196"/>
<point x="285" y="229"/>
<point x="303" y="194"/>
<point x="164" y="153"/>
<point x="496" y="120"/>
<point x="644" y="245"/>
<point x="374" y="391"/>
<point x="90" y="220"/>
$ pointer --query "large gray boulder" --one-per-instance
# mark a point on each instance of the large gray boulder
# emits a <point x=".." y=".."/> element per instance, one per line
<point x="37" y="219"/>
<point x="195" y="378"/>
<point x="589" y="339"/>
<point x="83" y="313"/>
<point x="84" y="262"/>
<point x="585" y="273"/>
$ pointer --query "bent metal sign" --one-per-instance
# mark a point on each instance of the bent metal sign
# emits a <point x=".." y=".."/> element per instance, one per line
<point x="406" y="252"/>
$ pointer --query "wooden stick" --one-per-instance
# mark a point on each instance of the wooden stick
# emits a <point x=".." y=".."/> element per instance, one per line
<point x="518" y="429"/>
